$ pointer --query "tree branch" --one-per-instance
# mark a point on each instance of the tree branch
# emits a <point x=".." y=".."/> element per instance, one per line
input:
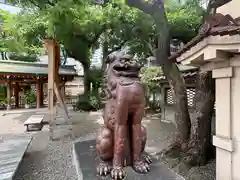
<point x="151" y="48"/>
<point x="34" y="3"/>
<point x="82" y="38"/>
<point x="141" y="5"/>
<point x="81" y="60"/>
<point x="70" y="54"/>
<point x="50" y="3"/>
<point x="117" y="47"/>
<point x="41" y="5"/>
<point x="93" y="41"/>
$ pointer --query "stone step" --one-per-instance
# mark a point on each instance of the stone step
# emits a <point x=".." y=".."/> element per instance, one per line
<point x="12" y="151"/>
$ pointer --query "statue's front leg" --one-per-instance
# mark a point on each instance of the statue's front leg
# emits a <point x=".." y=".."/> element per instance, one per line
<point x="139" y="162"/>
<point x="120" y="133"/>
<point x="145" y="157"/>
<point x="104" y="148"/>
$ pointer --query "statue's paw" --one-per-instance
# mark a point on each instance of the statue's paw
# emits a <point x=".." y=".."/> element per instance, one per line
<point x="146" y="159"/>
<point x="103" y="169"/>
<point x="118" y="173"/>
<point x="141" y="167"/>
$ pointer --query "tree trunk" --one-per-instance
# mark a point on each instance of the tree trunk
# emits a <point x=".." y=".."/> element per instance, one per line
<point x="155" y="8"/>
<point x="105" y="54"/>
<point x="200" y="139"/>
<point x="176" y="82"/>
<point x="95" y="87"/>
<point x="83" y="57"/>
<point x="5" y="56"/>
<point x="2" y="55"/>
<point x="87" y="81"/>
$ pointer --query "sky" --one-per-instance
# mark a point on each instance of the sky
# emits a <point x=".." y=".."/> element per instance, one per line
<point x="9" y="8"/>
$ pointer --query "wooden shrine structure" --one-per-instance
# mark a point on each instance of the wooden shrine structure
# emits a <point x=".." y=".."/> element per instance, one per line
<point x="17" y="75"/>
<point x="216" y="49"/>
<point x="167" y="99"/>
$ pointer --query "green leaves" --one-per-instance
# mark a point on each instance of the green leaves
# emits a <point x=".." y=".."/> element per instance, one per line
<point x="12" y="37"/>
<point x="81" y="25"/>
<point x="147" y="74"/>
<point x="184" y="19"/>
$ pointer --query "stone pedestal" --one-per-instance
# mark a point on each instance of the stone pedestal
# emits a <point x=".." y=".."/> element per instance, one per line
<point x="84" y="157"/>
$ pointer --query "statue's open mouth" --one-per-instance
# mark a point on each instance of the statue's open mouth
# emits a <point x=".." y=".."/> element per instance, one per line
<point x="127" y="70"/>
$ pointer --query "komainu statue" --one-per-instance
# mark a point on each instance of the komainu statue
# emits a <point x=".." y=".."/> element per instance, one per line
<point x="122" y="139"/>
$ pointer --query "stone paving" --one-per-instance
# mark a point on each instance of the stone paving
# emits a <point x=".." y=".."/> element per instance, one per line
<point x="52" y="160"/>
<point x="12" y="150"/>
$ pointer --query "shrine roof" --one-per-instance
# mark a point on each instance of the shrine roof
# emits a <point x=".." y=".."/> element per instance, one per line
<point x="187" y="72"/>
<point x="215" y="31"/>
<point x="17" y="67"/>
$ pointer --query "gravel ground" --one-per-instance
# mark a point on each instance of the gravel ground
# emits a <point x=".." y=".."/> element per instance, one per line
<point x="203" y="173"/>
<point x="52" y="160"/>
<point x="47" y="160"/>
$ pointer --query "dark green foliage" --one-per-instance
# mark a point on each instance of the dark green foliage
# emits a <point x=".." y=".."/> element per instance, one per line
<point x="3" y="96"/>
<point x="152" y="89"/>
<point x="96" y="78"/>
<point x="30" y="96"/>
<point x="3" y="90"/>
<point x="88" y="102"/>
<point x="184" y="19"/>
<point x="24" y="58"/>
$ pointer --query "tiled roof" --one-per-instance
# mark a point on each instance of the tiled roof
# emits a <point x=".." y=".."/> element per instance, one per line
<point x="230" y="30"/>
<point x="187" y="71"/>
<point x="16" y="67"/>
<point x="185" y="75"/>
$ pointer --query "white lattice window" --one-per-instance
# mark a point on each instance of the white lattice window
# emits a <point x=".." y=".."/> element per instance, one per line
<point x="169" y="97"/>
<point x="190" y="96"/>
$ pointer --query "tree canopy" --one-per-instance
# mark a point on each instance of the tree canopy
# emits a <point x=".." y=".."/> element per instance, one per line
<point x="184" y="19"/>
<point x="12" y="40"/>
<point x="78" y="25"/>
<point x="82" y="24"/>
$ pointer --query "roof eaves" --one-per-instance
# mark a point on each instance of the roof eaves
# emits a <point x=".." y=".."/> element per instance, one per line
<point x="208" y="30"/>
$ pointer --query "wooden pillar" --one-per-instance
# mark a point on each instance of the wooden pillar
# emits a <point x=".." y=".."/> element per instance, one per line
<point x="63" y="91"/>
<point x="9" y="93"/>
<point x="53" y="77"/>
<point x="16" y="95"/>
<point x="53" y="85"/>
<point x="39" y="93"/>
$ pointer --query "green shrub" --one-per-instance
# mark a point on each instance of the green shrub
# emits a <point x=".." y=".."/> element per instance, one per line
<point x="3" y="103"/>
<point x="24" y="58"/>
<point x="88" y="102"/>
<point x="30" y="96"/>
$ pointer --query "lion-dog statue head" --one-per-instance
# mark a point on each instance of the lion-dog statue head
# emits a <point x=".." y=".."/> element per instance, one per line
<point x="121" y="64"/>
<point x="122" y="68"/>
